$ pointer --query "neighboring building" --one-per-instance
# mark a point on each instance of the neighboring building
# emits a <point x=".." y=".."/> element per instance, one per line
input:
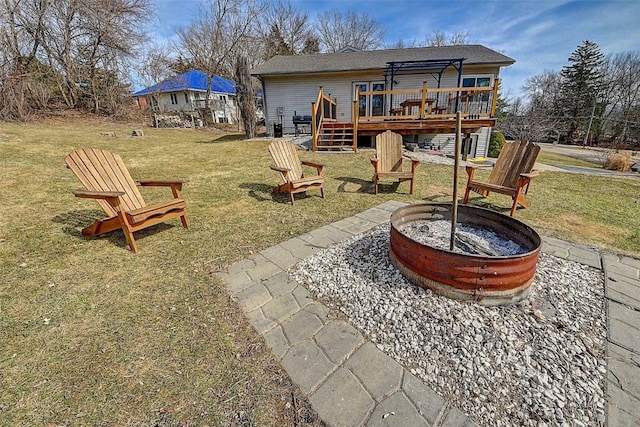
<point x="187" y="93"/>
<point x="291" y="84"/>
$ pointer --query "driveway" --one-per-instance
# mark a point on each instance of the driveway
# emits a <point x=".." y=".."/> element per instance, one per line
<point x="587" y="154"/>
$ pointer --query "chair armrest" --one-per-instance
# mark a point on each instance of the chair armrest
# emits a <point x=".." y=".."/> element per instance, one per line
<point x="279" y="169"/>
<point x="414" y="163"/>
<point x="86" y="194"/>
<point x="474" y="166"/>
<point x="283" y="171"/>
<point x="530" y="175"/>
<point x="176" y="186"/>
<point x="159" y="183"/>
<point x="414" y="160"/>
<point x="318" y="166"/>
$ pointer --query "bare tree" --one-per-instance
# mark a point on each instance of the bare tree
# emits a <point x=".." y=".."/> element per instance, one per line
<point x="20" y="40"/>
<point x="403" y="44"/>
<point x="246" y="96"/>
<point x="287" y="31"/>
<point x="81" y="45"/>
<point x="338" y="30"/>
<point x="440" y="38"/>
<point x="212" y="42"/>
<point x="537" y="119"/>
<point x="155" y="68"/>
<point x="623" y="91"/>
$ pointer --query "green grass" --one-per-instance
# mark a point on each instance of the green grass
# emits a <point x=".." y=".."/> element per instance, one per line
<point x="92" y="334"/>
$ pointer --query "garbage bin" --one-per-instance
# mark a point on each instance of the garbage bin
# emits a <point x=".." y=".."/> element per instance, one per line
<point x="277" y="130"/>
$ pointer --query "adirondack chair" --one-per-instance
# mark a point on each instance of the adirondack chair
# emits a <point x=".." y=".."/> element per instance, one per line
<point x="511" y="174"/>
<point x="288" y="165"/>
<point x="107" y="180"/>
<point x="388" y="160"/>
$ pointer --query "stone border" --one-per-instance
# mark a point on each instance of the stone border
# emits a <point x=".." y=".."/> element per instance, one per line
<point x="350" y="382"/>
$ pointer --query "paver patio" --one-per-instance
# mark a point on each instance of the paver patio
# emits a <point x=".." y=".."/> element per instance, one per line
<point x="332" y="362"/>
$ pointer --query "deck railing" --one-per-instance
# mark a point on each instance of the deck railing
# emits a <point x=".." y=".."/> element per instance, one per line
<point x="427" y="103"/>
<point x="325" y="109"/>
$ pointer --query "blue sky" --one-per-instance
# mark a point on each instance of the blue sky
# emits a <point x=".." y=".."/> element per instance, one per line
<point x="539" y="34"/>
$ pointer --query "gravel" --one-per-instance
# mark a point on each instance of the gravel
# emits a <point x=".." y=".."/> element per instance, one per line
<point x="541" y="362"/>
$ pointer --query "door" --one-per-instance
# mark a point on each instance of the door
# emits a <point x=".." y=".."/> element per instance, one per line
<point x="369" y="104"/>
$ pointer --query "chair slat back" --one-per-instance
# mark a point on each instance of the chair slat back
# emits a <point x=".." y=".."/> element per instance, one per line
<point x="284" y="155"/>
<point x="515" y="158"/>
<point x="389" y="151"/>
<point x="101" y="170"/>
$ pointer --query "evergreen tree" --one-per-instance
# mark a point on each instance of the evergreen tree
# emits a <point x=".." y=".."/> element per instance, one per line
<point x="582" y="82"/>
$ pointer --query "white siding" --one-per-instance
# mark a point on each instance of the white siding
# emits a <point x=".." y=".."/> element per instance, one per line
<point x="295" y="96"/>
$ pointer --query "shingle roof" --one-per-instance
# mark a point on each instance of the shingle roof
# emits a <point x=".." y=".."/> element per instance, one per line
<point x="377" y="59"/>
<point x="191" y="80"/>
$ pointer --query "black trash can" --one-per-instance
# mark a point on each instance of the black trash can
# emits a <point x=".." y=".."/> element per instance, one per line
<point x="277" y="130"/>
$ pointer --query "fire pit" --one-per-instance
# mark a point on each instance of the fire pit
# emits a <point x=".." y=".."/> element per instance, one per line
<point x="487" y="279"/>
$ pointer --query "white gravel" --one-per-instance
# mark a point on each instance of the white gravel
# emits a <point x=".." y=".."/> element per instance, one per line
<point x="534" y="364"/>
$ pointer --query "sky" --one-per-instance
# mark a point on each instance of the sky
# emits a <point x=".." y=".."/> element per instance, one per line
<point x="539" y="34"/>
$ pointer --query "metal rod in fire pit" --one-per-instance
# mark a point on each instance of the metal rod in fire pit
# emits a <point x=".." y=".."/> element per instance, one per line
<point x="454" y="205"/>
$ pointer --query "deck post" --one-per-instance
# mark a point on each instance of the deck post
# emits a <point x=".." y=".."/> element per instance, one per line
<point x="494" y="101"/>
<point x="424" y="99"/>
<point x="355" y="126"/>
<point x="314" y="126"/>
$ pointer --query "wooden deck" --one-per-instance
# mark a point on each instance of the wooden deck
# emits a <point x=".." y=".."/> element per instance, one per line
<point x="407" y="112"/>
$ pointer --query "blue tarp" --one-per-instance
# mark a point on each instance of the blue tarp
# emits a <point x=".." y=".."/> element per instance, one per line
<point x="191" y="80"/>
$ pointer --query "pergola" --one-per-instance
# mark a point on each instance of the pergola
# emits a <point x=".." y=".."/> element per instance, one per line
<point x="435" y="67"/>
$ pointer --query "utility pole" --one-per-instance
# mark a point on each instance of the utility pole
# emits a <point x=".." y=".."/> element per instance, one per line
<point x="593" y="111"/>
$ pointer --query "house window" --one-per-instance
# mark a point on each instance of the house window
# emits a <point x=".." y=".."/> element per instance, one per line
<point x="186" y="98"/>
<point x="223" y="97"/>
<point x="477" y="82"/>
<point x="369" y="104"/>
<point x="174" y="99"/>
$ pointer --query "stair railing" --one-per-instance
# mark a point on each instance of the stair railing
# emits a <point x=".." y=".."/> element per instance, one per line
<point x="323" y="109"/>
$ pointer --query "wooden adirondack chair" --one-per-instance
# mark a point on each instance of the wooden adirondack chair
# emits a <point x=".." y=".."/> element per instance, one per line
<point x="107" y="180"/>
<point x="511" y="174"/>
<point x="388" y="160"/>
<point x="288" y="165"/>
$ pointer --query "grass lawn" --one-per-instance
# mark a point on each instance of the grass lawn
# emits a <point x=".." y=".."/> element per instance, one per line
<point x="92" y="334"/>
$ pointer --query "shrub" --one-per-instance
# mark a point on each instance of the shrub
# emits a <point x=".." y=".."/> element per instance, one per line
<point x="496" y="143"/>
<point x="620" y="161"/>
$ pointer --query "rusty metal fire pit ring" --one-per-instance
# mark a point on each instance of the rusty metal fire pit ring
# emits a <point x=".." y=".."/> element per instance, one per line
<point x="487" y="280"/>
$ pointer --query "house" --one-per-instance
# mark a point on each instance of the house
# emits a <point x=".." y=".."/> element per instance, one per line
<point x="187" y="93"/>
<point x="413" y="91"/>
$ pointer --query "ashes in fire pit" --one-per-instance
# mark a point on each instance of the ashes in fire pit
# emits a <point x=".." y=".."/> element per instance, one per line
<point x="469" y="239"/>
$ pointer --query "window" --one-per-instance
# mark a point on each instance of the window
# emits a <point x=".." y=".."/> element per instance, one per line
<point x="477" y="82"/>
<point x="186" y="98"/>
<point x="369" y="104"/>
<point x="174" y="98"/>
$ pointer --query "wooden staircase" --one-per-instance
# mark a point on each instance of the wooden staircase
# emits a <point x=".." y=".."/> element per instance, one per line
<point x="336" y="136"/>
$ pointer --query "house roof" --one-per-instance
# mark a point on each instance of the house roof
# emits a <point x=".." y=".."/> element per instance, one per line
<point x="377" y="59"/>
<point x="191" y="80"/>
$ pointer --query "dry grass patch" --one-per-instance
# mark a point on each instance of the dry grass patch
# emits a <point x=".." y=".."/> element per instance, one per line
<point x="618" y="161"/>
